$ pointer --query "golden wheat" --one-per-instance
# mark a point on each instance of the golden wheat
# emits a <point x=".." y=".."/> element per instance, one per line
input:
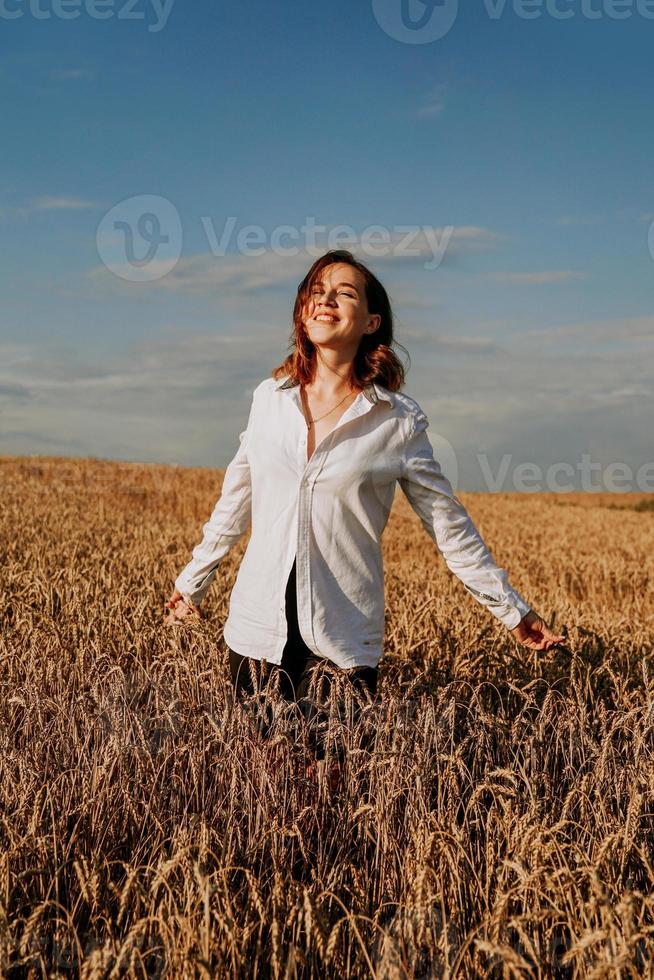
<point x="496" y="815"/>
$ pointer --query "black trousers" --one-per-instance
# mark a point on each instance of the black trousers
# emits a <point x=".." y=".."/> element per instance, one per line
<point x="305" y="679"/>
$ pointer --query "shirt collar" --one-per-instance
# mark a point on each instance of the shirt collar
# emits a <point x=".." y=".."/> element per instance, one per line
<point x="372" y="391"/>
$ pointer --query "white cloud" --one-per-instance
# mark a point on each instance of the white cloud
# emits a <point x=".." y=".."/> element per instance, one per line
<point x="66" y="74"/>
<point x="434" y="105"/>
<point x="49" y="203"/>
<point x="243" y="273"/>
<point x="53" y="203"/>
<point x="181" y="400"/>
<point x="545" y="394"/>
<point x="436" y="342"/>
<point x="623" y="330"/>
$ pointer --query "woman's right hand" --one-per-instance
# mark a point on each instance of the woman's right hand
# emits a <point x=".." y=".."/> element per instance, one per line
<point x="179" y="608"/>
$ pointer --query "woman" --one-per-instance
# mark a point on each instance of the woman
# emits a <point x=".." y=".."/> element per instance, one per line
<point x="328" y="437"/>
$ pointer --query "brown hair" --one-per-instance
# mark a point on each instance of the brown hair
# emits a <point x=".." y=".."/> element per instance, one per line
<point x="374" y="360"/>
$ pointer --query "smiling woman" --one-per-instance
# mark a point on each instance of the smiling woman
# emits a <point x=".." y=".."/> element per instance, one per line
<point x="329" y="436"/>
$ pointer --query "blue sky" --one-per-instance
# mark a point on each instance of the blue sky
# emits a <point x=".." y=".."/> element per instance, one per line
<point x="527" y="141"/>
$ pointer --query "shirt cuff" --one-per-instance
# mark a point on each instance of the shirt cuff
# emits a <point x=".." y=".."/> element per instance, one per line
<point x="509" y="609"/>
<point x="512" y="611"/>
<point x="186" y="590"/>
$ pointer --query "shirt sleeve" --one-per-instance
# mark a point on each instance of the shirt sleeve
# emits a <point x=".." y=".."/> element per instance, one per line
<point x="448" y="523"/>
<point x="228" y="522"/>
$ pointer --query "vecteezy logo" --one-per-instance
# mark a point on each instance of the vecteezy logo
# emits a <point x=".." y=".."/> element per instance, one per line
<point x="140" y="239"/>
<point x="650" y="239"/>
<point x="415" y="21"/>
<point x="446" y="457"/>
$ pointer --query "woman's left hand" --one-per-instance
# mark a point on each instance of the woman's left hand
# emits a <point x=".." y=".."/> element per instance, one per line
<point x="533" y="632"/>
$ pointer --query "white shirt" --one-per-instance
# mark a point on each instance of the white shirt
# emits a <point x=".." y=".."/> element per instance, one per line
<point x="330" y="512"/>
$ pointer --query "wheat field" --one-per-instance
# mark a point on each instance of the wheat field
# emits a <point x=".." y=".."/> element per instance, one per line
<point x="496" y="815"/>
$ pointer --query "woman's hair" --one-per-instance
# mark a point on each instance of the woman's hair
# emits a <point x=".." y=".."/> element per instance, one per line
<point x="374" y="360"/>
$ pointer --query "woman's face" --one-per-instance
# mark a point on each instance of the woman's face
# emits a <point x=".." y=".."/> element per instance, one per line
<point x="337" y="310"/>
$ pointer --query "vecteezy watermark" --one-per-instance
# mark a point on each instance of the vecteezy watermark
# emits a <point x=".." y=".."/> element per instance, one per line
<point x="650" y="239"/>
<point x="375" y="241"/>
<point x="425" y="21"/>
<point x="66" y="955"/>
<point x="589" y="475"/>
<point x="415" y="21"/>
<point x="140" y="239"/>
<point x="156" y="12"/>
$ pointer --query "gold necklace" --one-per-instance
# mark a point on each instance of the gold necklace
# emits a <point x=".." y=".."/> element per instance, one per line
<point x="313" y="421"/>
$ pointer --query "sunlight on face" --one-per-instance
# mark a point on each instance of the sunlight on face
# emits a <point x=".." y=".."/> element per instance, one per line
<point x="337" y="309"/>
